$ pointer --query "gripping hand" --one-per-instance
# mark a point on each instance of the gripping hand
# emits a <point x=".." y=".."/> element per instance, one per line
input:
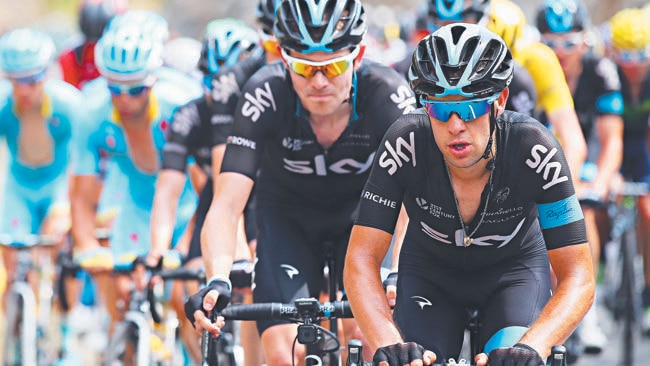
<point x="195" y="302"/>
<point x="518" y="355"/>
<point x="398" y="354"/>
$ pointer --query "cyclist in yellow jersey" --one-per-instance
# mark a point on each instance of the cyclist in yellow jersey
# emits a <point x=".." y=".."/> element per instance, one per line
<point x="553" y="94"/>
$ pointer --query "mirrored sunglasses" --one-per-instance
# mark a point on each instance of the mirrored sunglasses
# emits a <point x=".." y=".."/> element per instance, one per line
<point x="330" y="68"/>
<point x="467" y="110"/>
<point x="566" y="43"/>
<point x="631" y="56"/>
<point x="130" y="89"/>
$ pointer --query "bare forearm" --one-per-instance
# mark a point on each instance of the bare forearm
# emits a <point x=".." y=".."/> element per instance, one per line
<point x="83" y="223"/>
<point x="566" y="308"/>
<point x="369" y="304"/>
<point x="163" y="216"/>
<point x="218" y="243"/>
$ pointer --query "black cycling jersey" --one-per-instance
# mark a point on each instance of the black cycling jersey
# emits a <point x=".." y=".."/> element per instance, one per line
<point x="307" y="195"/>
<point x="206" y="122"/>
<point x="504" y="271"/>
<point x="596" y="92"/>
<point x="272" y="132"/>
<point x="199" y="126"/>
<point x="531" y="179"/>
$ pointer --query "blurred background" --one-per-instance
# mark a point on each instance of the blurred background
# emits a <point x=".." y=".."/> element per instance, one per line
<point x="189" y="17"/>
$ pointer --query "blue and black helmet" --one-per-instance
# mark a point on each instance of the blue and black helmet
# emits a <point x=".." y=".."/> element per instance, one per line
<point x="560" y="16"/>
<point x="226" y="42"/>
<point x="458" y="10"/>
<point x="308" y="26"/>
<point x="461" y="59"/>
<point x="265" y="14"/>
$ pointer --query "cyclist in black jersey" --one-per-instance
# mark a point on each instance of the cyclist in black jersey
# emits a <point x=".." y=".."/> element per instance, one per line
<point x="310" y="125"/>
<point x="231" y="52"/>
<point x="596" y="90"/>
<point x="490" y="200"/>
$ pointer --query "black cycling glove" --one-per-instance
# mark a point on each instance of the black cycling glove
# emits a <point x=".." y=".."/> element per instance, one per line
<point x="398" y="354"/>
<point x="195" y="302"/>
<point x="518" y="355"/>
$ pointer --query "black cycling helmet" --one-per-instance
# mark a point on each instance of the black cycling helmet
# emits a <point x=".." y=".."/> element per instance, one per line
<point x="265" y="13"/>
<point x="326" y="25"/>
<point x="95" y="14"/>
<point x="461" y="59"/>
<point x="560" y="16"/>
<point x="475" y="11"/>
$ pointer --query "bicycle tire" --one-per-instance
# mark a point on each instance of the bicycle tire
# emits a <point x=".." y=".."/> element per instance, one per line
<point x="122" y="347"/>
<point x="628" y="296"/>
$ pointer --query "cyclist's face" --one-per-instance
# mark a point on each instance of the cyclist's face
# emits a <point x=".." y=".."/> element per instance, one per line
<point x="569" y="48"/>
<point x="27" y="95"/>
<point x="634" y="63"/>
<point x="463" y="143"/>
<point x="320" y="94"/>
<point x="131" y="100"/>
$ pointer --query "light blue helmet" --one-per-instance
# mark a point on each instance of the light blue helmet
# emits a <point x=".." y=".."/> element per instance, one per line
<point x="128" y="53"/>
<point x="151" y="23"/>
<point x="25" y="52"/>
<point x="226" y="42"/>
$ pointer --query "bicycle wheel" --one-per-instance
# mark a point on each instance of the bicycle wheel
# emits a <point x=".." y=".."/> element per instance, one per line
<point x="628" y="296"/>
<point x="122" y="347"/>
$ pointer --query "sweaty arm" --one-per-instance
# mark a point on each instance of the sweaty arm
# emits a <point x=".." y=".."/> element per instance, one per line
<point x="572" y="298"/>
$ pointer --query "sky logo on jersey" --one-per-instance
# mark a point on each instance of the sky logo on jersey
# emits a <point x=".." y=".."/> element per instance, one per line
<point x="256" y="104"/>
<point x="320" y="167"/>
<point x="394" y="157"/>
<point x="240" y="141"/>
<point x="404" y="99"/>
<point x="541" y="162"/>
<point x="223" y="86"/>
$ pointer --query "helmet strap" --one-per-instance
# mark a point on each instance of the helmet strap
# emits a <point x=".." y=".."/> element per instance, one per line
<point x="488" y="148"/>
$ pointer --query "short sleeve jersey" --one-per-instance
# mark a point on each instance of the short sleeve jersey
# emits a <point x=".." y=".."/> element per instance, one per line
<point x="103" y="134"/>
<point x="531" y="188"/>
<point x="272" y="133"/>
<point x="206" y="121"/>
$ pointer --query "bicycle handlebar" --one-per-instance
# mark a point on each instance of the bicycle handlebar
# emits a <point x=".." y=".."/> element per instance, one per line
<point x="278" y="311"/>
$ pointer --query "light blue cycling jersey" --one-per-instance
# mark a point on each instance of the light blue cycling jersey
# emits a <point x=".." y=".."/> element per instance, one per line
<point x="102" y="133"/>
<point x="31" y="192"/>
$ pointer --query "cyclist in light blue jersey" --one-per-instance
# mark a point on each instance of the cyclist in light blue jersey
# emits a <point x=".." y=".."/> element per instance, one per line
<point x="37" y="119"/>
<point x="130" y="128"/>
